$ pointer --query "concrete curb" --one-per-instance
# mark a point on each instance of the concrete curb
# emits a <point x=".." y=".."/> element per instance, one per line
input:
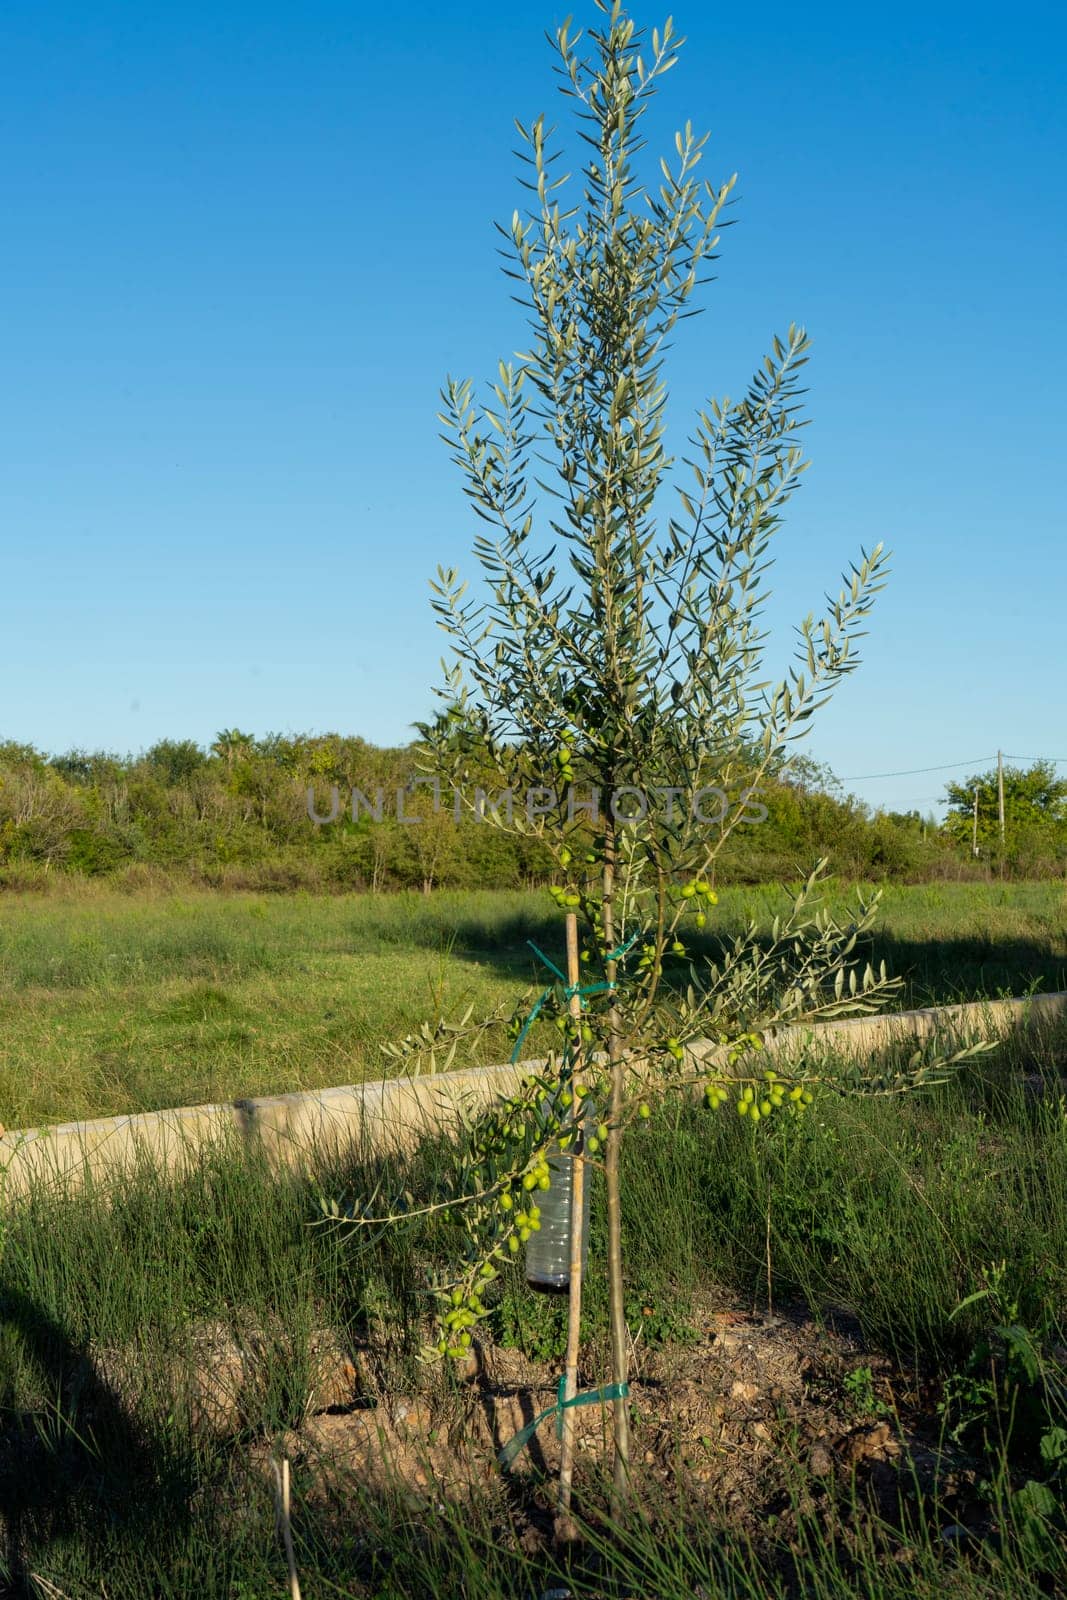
<point x="396" y="1112"/>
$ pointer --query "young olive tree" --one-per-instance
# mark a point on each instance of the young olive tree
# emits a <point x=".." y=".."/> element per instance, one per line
<point x="611" y="671"/>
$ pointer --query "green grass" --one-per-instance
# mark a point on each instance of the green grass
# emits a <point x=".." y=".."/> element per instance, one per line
<point x="896" y="1212"/>
<point x="112" y="1002"/>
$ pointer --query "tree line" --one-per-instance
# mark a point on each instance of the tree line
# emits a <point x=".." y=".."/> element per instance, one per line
<point x="237" y="813"/>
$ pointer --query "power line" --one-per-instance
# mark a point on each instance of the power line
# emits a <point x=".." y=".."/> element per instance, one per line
<point x="912" y="772"/>
<point x="949" y="766"/>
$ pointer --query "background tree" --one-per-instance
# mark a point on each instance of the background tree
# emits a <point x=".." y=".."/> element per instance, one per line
<point x="230" y="744"/>
<point x="175" y="760"/>
<point x="1035" y="813"/>
<point x="240" y="815"/>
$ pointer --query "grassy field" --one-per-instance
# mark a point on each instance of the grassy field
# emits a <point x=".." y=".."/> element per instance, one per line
<point x="112" y="1002"/>
<point x="935" y="1229"/>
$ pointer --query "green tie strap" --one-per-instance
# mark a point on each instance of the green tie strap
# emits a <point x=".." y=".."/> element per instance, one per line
<point x="587" y="1397"/>
<point x="569" y="989"/>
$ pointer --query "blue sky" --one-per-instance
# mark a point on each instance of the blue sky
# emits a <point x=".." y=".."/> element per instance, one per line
<point x="245" y="244"/>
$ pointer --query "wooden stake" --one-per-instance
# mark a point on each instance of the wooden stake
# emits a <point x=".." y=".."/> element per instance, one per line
<point x="620" y="1334"/>
<point x="281" y="1508"/>
<point x="565" y="1528"/>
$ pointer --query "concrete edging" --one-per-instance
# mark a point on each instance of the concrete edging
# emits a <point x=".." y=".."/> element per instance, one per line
<point x="396" y="1112"/>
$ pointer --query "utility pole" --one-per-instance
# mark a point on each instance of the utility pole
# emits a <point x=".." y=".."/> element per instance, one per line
<point x="974" y="826"/>
<point x="1000" y="794"/>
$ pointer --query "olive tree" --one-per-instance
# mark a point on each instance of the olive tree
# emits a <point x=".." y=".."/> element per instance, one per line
<point x="611" y="665"/>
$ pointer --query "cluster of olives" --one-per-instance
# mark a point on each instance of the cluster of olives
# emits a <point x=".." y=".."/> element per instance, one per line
<point x="457" y="1323"/>
<point x="650" y="953"/>
<point x="510" y="1126"/>
<point x="527" y="1219"/>
<point x="699" y="889"/>
<point x="647" y="958"/>
<point x="772" y="1097"/>
<point x="538" y="1177"/>
<point x="573" y="1030"/>
<point x="564" y="898"/>
<point x="566" y="857"/>
<point x="757" y="1103"/>
<point x="567" y="897"/>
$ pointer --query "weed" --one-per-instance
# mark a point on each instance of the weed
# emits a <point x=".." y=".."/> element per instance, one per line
<point x="859" y="1387"/>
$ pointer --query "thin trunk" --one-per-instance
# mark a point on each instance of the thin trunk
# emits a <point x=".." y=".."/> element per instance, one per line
<point x="620" y="1348"/>
<point x="565" y="1528"/>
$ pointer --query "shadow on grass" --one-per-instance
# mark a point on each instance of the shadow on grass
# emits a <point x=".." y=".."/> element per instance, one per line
<point x="82" y="1467"/>
<point x="933" y="970"/>
<point x="937" y="971"/>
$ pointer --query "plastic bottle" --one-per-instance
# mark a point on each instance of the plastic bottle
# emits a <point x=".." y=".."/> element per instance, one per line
<point x="548" y="1252"/>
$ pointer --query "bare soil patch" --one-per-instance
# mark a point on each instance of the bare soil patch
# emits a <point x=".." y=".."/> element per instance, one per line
<point x="753" y="1419"/>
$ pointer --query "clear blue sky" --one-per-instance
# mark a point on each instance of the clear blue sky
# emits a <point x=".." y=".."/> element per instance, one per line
<point x="245" y="243"/>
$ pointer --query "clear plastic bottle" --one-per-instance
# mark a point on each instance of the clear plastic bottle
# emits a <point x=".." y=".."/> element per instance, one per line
<point x="548" y="1252"/>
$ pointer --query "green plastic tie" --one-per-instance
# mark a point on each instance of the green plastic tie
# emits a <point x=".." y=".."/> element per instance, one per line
<point x="569" y="989"/>
<point x="587" y="1397"/>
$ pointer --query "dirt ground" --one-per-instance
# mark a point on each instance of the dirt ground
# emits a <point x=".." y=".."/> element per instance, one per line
<point x="753" y="1419"/>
